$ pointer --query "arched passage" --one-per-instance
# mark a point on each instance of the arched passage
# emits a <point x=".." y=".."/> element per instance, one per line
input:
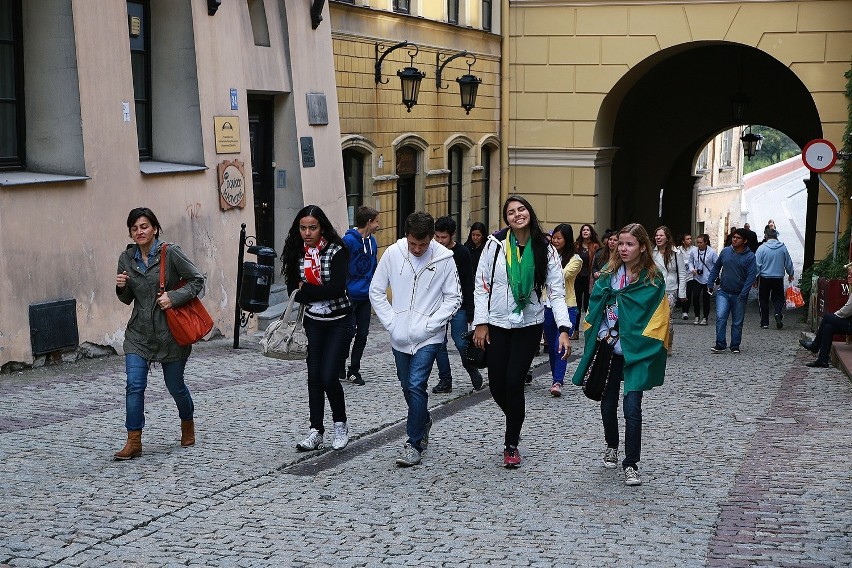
<point x="660" y="114"/>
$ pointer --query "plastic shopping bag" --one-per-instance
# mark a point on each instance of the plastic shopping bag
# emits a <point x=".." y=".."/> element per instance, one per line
<point x="794" y="297"/>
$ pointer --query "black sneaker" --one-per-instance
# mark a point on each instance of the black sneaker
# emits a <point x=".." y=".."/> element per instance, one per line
<point x="443" y="386"/>
<point x="779" y="320"/>
<point x="809" y="345"/>
<point x="528" y="380"/>
<point x="818" y="364"/>
<point x="354" y="377"/>
<point x="476" y="381"/>
<point x="717" y="349"/>
<point x="735" y="350"/>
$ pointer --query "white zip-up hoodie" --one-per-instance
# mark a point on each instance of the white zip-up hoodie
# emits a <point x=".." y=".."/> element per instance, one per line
<point x="674" y="273"/>
<point x="502" y="300"/>
<point x="422" y="303"/>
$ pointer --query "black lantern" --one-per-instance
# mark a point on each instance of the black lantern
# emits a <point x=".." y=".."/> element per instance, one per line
<point x="751" y="143"/>
<point x="739" y="103"/>
<point x="410" y="78"/>
<point x="468" y="85"/>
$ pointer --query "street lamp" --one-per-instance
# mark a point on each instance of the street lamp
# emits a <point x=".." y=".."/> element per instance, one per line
<point x="409" y="77"/>
<point x="751" y="143"/>
<point x="468" y="84"/>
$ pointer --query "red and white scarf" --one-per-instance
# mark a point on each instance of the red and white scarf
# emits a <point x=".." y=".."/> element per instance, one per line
<point x="313" y="268"/>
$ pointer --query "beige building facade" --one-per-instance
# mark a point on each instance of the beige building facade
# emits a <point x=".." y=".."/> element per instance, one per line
<point x="437" y="157"/>
<point x="109" y="105"/>
<point x="610" y="102"/>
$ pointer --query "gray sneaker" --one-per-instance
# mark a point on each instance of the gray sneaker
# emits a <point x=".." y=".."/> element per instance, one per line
<point x="424" y="443"/>
<point x="341" y="436"/>
<point x="410" y="456"/>
<point x="312" y="442"/>
<point x="610" y="459"/>
<point x="631" y="476"/>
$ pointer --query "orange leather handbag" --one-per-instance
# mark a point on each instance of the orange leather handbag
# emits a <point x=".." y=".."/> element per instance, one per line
<point x="189" y="322"/>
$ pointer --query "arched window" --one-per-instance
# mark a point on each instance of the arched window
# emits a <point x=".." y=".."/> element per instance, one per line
<point x="353" y="178"/>
<point x="454" y="193"/>
<point x="483" y="206"/>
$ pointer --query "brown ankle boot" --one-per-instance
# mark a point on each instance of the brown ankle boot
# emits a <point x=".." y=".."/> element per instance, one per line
<point x="187" y="433"/>
<point x="132" y="448"/>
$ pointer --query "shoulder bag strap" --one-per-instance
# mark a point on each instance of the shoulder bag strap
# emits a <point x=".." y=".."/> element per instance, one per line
<point x="491" y="285"/>
<point x="163" y="268"/>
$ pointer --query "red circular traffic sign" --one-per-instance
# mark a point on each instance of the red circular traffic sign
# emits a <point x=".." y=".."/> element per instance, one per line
<point x="819" y="155"/>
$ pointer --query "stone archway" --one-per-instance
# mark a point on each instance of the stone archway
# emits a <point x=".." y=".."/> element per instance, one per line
<point x="663" y="110"/>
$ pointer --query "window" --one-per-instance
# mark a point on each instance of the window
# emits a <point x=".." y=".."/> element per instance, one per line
<point x="138" y="17"/>
<point x="486" y="15"/>
<point x="11" y="87"/>
<point x="703" y="159"/>
<point x="162" y="46"/>
<point x="453" y="11"/>
<point x="402" y="6"/>
<point x="259" y="25"/>
<point x="454" y="195"/>
<point x="727" y="144"/>
<point x="353" y="178"/>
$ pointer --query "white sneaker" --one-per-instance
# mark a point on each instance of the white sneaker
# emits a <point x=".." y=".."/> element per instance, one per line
<point x="610" y="459"/>
<point x="313" y="442"/>
<point x="697" y="321"/>
<point x="703" y="321"/>
<point x="341" y="436"/>
<point x="685" y="316"/>
<point x="631" y="476"/>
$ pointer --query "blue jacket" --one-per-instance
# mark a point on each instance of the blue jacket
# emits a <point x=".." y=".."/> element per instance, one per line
<point x="773" y="260"/>
<point x="363" y="259"/>
<point x="740" y="271"/>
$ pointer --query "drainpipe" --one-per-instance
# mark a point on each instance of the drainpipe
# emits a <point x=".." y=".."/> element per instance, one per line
<point x="504" y="102"/>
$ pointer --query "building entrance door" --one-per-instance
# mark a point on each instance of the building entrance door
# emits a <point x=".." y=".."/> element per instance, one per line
<point x="260" y="113"/>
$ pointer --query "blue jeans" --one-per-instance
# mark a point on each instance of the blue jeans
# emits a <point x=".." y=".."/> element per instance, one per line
<point x="551" y="336"/>
<point x="413" y="373"/>
<point x="632" y="408"/>
<point x="729" y="304"/>
<point x="328" y="342"/>
<point x="361" y="309"/>
<point x="137" y="380"/>
<point x="458" y="325"/>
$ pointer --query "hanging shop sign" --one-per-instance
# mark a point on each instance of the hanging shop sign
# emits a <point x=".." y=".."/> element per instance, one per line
<point x="232" y="184"/>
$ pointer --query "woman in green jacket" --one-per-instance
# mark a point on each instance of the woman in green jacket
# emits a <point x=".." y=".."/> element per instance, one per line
<point x="629" y="309"/>
<point x="147" y="338"/>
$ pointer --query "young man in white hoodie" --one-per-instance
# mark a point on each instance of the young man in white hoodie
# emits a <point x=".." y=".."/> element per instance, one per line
<point x="424" y="283"/>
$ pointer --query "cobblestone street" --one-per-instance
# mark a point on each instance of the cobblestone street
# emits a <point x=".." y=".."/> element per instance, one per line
<point x="742" y="465"/>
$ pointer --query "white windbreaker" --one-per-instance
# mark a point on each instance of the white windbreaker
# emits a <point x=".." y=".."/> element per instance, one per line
<point x="674" y="273"/>
<point x="422" y="303"/>
<point x="502" y="301"/>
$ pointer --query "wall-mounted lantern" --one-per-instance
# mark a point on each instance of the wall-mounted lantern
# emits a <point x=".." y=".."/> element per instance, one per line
<point x="468" y="84"/>
<point x="751" y="143"/>
<point x="409" y="77"/>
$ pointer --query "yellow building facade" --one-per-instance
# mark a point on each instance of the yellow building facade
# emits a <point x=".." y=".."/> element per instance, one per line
<point x="437" y="157"/>
<point x="610" y="102"/>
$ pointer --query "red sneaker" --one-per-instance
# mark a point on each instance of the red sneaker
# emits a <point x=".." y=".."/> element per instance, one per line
<point x="511" y="457"/>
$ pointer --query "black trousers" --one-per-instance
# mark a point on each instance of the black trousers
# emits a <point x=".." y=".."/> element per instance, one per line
<point x="509" y="356"/>
<point x="770" y="288"/>
<point x="700" y="299"/>
<point x="328" y="344"/>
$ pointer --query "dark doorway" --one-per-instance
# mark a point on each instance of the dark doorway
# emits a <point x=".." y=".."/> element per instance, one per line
<point x="260" y="112"/>
<point x="406" y="169"/>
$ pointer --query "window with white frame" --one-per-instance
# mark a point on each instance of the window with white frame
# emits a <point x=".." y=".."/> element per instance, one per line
<point x="402" y="6"/>
<point x="727" y="146"/>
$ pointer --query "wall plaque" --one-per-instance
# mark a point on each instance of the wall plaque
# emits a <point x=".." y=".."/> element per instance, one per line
<point x="232" y="184"/>
<point x="227" y="130"/>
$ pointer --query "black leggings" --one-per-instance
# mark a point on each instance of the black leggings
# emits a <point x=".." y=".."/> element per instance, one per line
<point x="581" y="290"/>
<point x="509" y="356"/>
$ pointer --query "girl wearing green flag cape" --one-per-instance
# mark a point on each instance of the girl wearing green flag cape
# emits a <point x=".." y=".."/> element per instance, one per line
<point x="517" y="265"/>
<point x="629" y="309"/>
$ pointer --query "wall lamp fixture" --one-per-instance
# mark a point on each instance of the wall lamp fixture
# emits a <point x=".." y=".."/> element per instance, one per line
<point x="409" y="77"/>
<point x="751" y="143"/>
<point x="468" y="84"/>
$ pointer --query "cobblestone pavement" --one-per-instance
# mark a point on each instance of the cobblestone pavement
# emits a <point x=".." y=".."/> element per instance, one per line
<point x="743" y="464"/>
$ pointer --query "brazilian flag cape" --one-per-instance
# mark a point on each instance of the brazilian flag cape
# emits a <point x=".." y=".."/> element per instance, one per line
<point x="643" y="325"/>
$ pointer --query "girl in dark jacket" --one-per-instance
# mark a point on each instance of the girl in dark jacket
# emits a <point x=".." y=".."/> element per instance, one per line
<point x="147" y="338"/>
<point x="315" y="267"/>
<point x="476" y="242"/>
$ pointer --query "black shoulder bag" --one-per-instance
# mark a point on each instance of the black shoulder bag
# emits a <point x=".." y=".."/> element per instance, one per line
<point x="596" y="379"/>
